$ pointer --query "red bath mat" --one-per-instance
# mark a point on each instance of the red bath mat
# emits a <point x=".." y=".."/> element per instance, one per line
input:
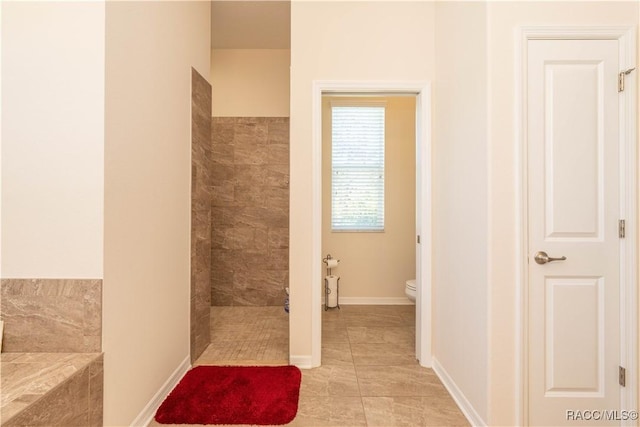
<point x="259" y="395"/>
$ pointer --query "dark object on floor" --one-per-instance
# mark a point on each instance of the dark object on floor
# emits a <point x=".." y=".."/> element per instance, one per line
<point x="259" y="395"/>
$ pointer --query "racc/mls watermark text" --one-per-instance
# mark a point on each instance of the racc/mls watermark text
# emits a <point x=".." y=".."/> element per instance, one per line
<point x="601" y="415"/>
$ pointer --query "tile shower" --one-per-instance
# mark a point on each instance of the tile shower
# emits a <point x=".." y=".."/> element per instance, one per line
<point x="249" y="240"/>
<point x="249" y="211"/>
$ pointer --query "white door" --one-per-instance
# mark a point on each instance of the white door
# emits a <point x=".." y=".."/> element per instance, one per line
<point x="573" y="211"/>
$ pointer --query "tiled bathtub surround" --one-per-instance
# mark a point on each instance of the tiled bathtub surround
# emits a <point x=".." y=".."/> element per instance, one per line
<point x="51" y="315"/>
<point x="250" y="211"/>
<point x="51" y="389"/>
<point x="200" y="213"/>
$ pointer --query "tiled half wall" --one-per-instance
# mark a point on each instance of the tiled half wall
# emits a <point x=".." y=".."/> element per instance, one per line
<point x="200" y="213"/>
<point x="51" y="315"/>
<point x="250" y="211"/>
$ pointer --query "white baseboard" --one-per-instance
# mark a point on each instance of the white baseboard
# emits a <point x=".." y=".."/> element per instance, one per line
<point x="459" y="397"/>
<point x="374" y="301"/>
<point x="146" y="416"/>
<point x="302" y="362"/>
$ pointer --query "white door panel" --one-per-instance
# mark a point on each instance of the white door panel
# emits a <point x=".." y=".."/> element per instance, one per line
<point x="573" y="356"/>
<point x="573" y="205"/>
<point x="572" y="142"/>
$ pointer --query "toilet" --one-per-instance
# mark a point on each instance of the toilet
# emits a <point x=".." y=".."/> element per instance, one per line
<point x="410" y="289"/>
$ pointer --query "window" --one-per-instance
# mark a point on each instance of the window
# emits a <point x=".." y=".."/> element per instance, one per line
<point x="357" y="167"/>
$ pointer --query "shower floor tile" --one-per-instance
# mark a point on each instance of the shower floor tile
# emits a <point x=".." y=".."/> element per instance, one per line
<point x="247" y="336"/>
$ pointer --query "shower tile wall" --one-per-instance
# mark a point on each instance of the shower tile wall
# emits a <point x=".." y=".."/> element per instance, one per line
<point x="200" y="213"/>
<point x="250" y="211"/>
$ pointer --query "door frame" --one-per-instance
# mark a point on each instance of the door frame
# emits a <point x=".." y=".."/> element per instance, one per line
<point x="628" y="202"/>
<point x="422" y="90"/>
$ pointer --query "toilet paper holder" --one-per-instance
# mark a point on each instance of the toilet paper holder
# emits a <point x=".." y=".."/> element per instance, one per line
<point x="331" y="263"/>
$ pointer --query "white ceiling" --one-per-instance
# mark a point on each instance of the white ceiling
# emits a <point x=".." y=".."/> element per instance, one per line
<point x="244" y="24"/>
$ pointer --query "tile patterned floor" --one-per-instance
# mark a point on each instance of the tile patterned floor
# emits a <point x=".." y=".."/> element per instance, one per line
<point x="369" y="375"/>
<point x="247" y="336"/>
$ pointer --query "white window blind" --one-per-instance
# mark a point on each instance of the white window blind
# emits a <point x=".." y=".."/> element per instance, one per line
<point x="357" y="161"/>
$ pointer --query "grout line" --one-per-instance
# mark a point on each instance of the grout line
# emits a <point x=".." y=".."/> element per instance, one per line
<point x="355" y="370"/>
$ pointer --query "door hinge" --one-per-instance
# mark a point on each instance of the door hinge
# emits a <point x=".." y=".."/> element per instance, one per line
<point x="622" y="376"/>
<point x="621" y="78"/>
<point x="621" y="228"/>
<point x="418" y="239"/>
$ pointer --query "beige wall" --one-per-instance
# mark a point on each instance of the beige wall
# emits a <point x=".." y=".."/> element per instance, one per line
<point x="376" y="265"/>
<point x="52" y="139"/>
<point x="250" y="82"/>
<point x="150" y="49"/>
<point x="460" y="200"/>
<point x="475" y="165"/>
<point x="340" y="40"/>
<point x="474" y="157"/>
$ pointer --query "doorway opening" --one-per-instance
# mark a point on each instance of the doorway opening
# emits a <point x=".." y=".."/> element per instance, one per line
<point x="421" y="92"/>
<point x="368" y="223"/>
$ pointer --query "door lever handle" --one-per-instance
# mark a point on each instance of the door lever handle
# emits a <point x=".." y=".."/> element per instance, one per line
<point x="542" y="258"/>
